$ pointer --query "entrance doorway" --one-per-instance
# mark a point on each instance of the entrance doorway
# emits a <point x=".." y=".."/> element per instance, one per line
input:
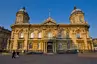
<point x="49" y="47"/>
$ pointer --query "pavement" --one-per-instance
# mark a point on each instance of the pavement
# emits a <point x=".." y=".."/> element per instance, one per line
<point x="91" y="55"/>
<point x="49" y="59"/>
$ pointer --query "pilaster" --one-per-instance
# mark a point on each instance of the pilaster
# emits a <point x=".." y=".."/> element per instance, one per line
<point x="86" y="45"/>
<point x="44" y="47"/>
<point x="15" y="41"/>
<point x="25" y="41"/>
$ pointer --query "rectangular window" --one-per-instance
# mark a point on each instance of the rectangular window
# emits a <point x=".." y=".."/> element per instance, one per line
<point x="77" y="35"/>
<point x="60" y="36"/>
<point x="39" y="45"/>
<point x="60" y="46"/>
<point x="20" y="45"/>
<point x="68" y="44"/>
<point x="67" y="35"/>
<point x="30" y="45"/>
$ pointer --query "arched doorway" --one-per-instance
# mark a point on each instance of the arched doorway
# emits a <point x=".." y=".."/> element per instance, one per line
<point x="49" y="47"/>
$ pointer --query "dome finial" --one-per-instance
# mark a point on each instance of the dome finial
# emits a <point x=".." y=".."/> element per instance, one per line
<point x="75" y="7"/>
<point x="24" y="8"/>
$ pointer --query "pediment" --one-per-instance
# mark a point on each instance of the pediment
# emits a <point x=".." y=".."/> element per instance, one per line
<point x="49" y="21"/>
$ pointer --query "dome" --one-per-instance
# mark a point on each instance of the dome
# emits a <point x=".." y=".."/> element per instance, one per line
<point x="76" y="10"/>
<point x="23" y="9"/>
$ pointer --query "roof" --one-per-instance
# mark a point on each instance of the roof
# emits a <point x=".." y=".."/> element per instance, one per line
<point x="23" y="9"/>
<point x="49" y="21"/>
<point x="76" y="10"/>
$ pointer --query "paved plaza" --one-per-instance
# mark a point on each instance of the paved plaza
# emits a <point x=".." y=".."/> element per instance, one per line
<point x="49" y="59"/>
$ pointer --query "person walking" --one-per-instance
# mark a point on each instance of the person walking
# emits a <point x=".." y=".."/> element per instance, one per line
<point x="17" y="55"/>
<point x="13" y="54"/>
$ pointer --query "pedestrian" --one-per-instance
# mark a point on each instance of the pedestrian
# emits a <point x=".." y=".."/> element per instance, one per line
<point x="13" y="54"/>
<point x="17" y="54"/>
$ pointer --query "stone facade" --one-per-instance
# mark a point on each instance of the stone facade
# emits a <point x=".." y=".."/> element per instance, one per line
<point x="94" y="42"/>
<point x="50" y="36"/>
<point x="5" y="34"/>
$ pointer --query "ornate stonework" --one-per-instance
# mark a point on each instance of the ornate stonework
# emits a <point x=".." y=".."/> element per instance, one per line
<point x="50" y="36"/>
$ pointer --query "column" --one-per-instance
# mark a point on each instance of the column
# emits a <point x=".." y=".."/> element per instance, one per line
<point x="73" y="36"/>
<point x="74" y="41"/>
<point x="55" y="46"/>
<point x="15" y="41"/>
<point x="25" y="41"/>
<point x="44" y="47"/>
<point x="92" y="47"/>
<point x="86" y="46"/>
<point x="86" y="42"/>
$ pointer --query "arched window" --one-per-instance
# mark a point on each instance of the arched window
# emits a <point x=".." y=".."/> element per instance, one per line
<point x="50" y="35"/>
<point x="77" y="35"/>
<point x="21" y="35"/>
<point x="39" y="35"/>
<point x="32" y="35"/>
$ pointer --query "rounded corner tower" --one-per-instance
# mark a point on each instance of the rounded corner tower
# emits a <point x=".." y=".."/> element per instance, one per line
<point x="22" y="16"/>
<point x="77" y="16"/>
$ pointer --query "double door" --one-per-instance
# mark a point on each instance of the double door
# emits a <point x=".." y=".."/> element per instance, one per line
<point x="49" y="47"/>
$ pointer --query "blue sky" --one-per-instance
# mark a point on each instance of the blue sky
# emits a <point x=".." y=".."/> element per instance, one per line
<point x="38" y="11"/>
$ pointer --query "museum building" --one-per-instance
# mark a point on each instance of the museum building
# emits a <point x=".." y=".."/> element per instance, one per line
<point x="50" y="36"/>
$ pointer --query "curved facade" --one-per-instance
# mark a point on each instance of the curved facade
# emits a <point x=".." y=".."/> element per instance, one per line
<point x="49" y="36"/>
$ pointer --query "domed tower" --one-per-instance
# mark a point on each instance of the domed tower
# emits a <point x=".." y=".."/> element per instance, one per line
<point x="77" y="16"/>
<point x="22" y="16"/>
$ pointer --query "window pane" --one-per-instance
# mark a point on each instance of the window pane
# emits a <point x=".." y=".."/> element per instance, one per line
<point x="21" y="35"/>
<point x="39" y="35"/>
<point x="20" y="45"/>
<point x="67" y="35"/>
<point x="59" y="35"/>
<point x="60" y="46"/>
<point x="78" y="35"/>
<point x="30" y="45"/>
<point x="32" y="35"/>
<point x="49" y="35"/>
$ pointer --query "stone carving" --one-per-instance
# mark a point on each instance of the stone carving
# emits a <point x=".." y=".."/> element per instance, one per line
<point x="51" y="29"/>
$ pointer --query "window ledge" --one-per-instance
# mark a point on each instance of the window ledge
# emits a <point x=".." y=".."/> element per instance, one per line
<point x="21" y="38"/>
